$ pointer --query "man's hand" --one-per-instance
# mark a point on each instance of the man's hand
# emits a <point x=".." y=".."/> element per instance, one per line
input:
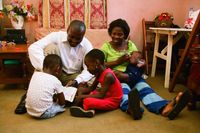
<point x="73" y="83"/>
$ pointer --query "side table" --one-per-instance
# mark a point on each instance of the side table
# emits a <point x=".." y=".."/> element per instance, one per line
<point x="15" y="52"/>
<point x="166" y="52"/>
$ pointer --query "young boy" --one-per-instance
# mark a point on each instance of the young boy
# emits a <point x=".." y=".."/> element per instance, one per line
<point x="46" y="96"/>
<point x="133" y="71"/>
<point x="153" y="102"/>
<point x="107" y="97"/>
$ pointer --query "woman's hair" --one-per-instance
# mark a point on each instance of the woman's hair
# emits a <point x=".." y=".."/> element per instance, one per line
<point x="119" y="23"/>
<point x="96" y="54"/>
<point x="51" y="61"/>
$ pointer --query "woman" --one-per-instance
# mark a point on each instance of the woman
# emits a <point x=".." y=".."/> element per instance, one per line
<point x="117" y="53"/>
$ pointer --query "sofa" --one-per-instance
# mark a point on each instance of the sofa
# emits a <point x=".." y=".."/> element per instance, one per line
<point x="96" y="36"/>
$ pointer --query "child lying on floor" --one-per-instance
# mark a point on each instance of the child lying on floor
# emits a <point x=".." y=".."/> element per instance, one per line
<point x="46" y="96"/>
<point x="107" y="97"/>
<point x="152" y="101"/>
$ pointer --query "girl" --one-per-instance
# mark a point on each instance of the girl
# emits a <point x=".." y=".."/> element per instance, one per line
<point x="107" y="97"/>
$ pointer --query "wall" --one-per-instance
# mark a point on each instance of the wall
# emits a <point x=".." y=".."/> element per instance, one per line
<point x="195" y="4"/>
<point x="133" y="11"/>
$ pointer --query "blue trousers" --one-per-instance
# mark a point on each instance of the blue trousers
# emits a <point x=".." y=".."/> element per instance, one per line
<point x="152" y="101"/>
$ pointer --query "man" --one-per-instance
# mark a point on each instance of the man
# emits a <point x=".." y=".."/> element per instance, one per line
<point x="72" y="46"/>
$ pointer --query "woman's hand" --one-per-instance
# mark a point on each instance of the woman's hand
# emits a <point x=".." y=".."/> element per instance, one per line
<point x="123" y="77"/>
<point x="117" y="73"/>
<point x="124" y="58"/>
<point x="119" y="61"/>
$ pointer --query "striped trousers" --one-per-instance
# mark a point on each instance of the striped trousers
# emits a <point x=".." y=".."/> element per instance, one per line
<point x="152" y="101"/>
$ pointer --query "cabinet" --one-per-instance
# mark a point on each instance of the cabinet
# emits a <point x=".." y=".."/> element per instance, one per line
<point x="18" y="72"/>
<point x="193" y="82"/>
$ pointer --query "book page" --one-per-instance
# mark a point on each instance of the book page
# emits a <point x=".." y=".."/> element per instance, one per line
<point x="69" y="93"/>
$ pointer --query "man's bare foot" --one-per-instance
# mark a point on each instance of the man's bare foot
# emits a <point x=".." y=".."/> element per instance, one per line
<point x="168" y="108"/>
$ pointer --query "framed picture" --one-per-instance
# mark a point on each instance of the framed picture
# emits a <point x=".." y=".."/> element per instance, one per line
<point x="1" y="5"/>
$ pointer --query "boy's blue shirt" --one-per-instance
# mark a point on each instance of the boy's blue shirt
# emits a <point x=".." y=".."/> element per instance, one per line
<point x="135" y="75"/>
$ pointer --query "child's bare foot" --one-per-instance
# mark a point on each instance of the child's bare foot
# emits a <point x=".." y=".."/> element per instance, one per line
<point x="173" y="108"/>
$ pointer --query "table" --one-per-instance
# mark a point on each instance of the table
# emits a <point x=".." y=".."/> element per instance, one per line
<point x="166" y="52"/>
<point x="14" y="52"/>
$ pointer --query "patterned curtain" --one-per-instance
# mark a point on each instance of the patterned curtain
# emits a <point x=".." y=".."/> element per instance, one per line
<point x="58" y="13"/>
<point x="77" y="10"/>
<point x="40" y="17"/>
<point x="97" y="14"/>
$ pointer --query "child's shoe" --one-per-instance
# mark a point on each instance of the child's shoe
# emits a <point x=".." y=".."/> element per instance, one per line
<point x="21" y="109"/>
<point x="134" y="105"/>
<point x="79" y="112"/>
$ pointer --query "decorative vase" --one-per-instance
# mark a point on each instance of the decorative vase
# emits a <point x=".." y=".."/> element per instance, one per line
<point x="17" y="22"/>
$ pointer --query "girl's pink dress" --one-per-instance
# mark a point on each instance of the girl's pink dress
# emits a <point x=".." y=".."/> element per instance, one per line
<point x="112" y="98"/>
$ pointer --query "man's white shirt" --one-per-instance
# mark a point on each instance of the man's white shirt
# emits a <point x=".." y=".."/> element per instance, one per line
<point x="72" y="57"/>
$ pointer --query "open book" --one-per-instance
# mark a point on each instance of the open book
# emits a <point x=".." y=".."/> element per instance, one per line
<point x="69" y="93"/>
